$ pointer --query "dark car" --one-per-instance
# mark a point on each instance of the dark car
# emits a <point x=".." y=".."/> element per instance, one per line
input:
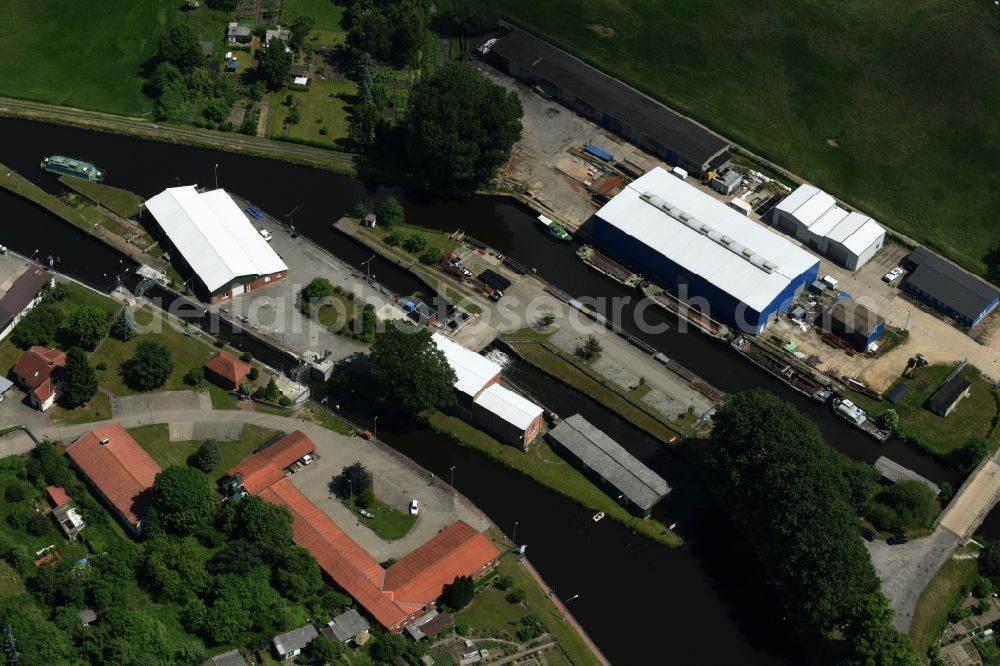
<point x="867" y="534"/>
<point x="897" y="540"/>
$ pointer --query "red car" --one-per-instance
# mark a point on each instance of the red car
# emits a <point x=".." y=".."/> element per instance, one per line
<point x="367" y="434"/>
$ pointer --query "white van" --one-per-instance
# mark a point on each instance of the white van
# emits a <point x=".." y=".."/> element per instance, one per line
<point x="830" y="281"/>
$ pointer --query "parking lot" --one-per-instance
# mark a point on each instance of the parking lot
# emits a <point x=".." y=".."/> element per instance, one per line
<point x="395" y="483"/>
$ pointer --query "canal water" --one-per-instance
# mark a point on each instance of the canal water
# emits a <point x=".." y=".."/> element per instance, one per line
<point x="706" y="602"/>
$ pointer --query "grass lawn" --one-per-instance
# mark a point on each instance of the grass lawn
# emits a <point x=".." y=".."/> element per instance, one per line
<point x="321" y="417"/>
<point x="187" y="352"/>
<point x="573" y="374"/>
<point x="938" y="598"/>
<point x="338" y="311"/>
<point x="973" y="417"/>
<point x="155" y="439"/>
<point x="221" y="398"/>
<point x="840" y="93"/>
<point x="388" y="523"/>
<point x="328" y="14"/>
<point x="490" y="611"/>
<point x="98" y="409"/>
<point x="79" y="54"/>
<point x="549" y="469"/>
<point x="324" y="105"/>
<point x="119" y="201"/>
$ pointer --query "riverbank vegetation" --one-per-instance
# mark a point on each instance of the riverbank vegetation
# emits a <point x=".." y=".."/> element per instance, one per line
<point x="118" y="201"/>
<point x="797" y="502"/>
<point x="945" y="437"/>
<point x="820" y="88"/>
<point x="546" y="467"/>
<point x="949" y="586"/>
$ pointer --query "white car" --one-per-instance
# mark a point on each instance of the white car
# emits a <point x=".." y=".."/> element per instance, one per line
<point x="414" y="507"/>
<point x="265" y="234"/>
<point x="307" y="459"/>
<point x="366" y="513"/>
<point x="893" y="275"/>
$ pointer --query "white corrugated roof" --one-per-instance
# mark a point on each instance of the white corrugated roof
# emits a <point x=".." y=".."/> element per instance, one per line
<point x="862" y="236"/>
<point x="818" y="212"/>
<point x="828" y="221"/>
<point x="697" y="252"/>
<point x="511" y="407"/>
<point x="472" y="371"/>
<point x="213" y="235"/>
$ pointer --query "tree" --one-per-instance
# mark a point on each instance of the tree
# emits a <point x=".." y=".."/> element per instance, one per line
<point x="79" y="383"/>
<point x="324" y="651"/>
<point x="297" y="575"/>
<point x="183" y="500"/>
<point x="317" y="289"/>
<point x="391" y="212"/>
<point x="771" y="469"/>
<point x="369" y="323"/>
<point x="38" y="327"/>
<point x="124" y="326"/>
<point x="989" y="561"/>
<point x="983" y="588"/>
<point x="299" y="31"/>
<point x="431" y="256"/>
<point x="10" y="650"/>
<point x="272" y="392"/>
<point x="592" y="347"/>
<point x="545" y="320"/>
<point x="353" y="480"/>
<point x="470" y="17"/>
<point x="89" y="325"/>
<point x="223" y="5"/>
<point x="415" y="243"/>
<point x="236" y="557"/>
<point x="459" y="593"/>
<point x="910" y="504"/>
<point x="194" y="376"/>
<point x="388" y="647"/>
<point x="889" y="419"/>
<point x="411" y="372"/>
<point x="38" y="523"/>
<point x="459" y="128"/>
<point x="150" y="367"/>
<point x="207" y="457"/>
<point x="48" y="465"/>
<point x="366" y="118"/>
<point x="14" y="493"/>
<point x="969" y="456"/>
<point x="180" y="48"/>
<point x="267" y="526"/>
<point x="871" y="638"/>
<point x="273" y="63"/>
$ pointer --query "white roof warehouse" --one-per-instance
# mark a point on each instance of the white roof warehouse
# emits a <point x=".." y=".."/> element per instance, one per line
<point x="510" y="416"/>
<point x="712" y="256"/>
<point x="215" y="238"/>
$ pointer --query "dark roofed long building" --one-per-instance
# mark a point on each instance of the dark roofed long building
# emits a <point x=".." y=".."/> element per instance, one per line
<point x="601" y="455"/>
<point x="948" y="288"/>
<point x="609" y="102"/>
<point x="22" y="295"/>
<point x="947" y="397"/>
<point x="854" y="323"/>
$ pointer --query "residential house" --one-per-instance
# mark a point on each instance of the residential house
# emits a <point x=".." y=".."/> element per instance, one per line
<point x="68" y="518"/>
<point x="291" y="643"/>
<point x="39" y="370"/>
<point x="231" y="658"/>
<point x="227" y="371"/>
<point x="346" y="627"/>
<point x="238" y="34"/>
<point x="24" y="294"/>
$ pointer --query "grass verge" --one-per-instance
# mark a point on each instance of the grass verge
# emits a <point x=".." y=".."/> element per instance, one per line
<point x="574" y="375"/>
<point x="940" y="596"/>
<point x="388" y="523"/>
<point x="118" y="201"/>
<point x="321" y="417"/>
<point x="491" y="612"/>
<point x="545" y="466"/>
<point x="97" y="409"/>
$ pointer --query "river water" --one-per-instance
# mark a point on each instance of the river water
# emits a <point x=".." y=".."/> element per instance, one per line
<point x="707" y="602"/>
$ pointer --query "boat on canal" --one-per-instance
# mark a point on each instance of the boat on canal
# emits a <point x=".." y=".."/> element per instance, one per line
<point x="858" y="418"/>
<point x="775" y="364"/>
<point x="553" y="228"/>
<point x="70" y="166"/>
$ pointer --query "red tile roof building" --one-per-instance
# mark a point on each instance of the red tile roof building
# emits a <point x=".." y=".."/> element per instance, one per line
<point x="118" y="469"/>
<point x="226" y="370"/>
<point x="57" y="496"/>
<point x="39" y="370"/>
<point x="396" y="596"/>
<point x="268" y="465"/>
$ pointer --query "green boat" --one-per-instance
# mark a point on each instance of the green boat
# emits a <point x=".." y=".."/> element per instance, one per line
<point x="554" y="228"/>
<point x="72" y="167"/>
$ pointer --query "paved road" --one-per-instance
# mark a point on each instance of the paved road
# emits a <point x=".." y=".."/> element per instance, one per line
<point x="231" y="142"/>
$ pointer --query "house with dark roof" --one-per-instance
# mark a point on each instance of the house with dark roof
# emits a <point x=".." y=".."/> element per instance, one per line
<point x="24" y="294"/>
<point x="231" y="658"/>
<point x="608" y="102"/>
<point x="39" y="370"/>
<point x="262" y="468"/>
<point x="946" y="398"/>
<point x="635" y="485"/>
<point x="948" y="288"/>
<point x="853" y="323"/>
<point x="226" y="370"/>
<point x="346" y="627"/>
<point x="119" y="471"/>
<point x="238" y="33"/>
<point x="292" y="643"/>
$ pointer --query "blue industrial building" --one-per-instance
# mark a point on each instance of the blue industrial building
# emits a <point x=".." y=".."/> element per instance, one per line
<point x="948" y="288"/>
<point x="716" y="259"/>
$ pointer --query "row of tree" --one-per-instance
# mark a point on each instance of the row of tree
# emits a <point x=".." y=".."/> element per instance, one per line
<point x="797" y="502"/>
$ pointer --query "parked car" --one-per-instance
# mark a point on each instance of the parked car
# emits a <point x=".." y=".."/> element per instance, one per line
<point x="867" y="534"/>
<point x="414" y="507"/>
<point x="893" y="275"/>
<point x="265" y="234"/>
<point x="307" y="459"/>
<point x="366" y="513"/>
<point x="897" y="540"/>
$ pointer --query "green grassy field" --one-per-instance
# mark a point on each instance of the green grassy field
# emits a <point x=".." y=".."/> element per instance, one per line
<point x="886" y="104"/>
<point x="324" y="105"/>
<point x="973" y="417"/>
<point x="388" y="523"/>
<point x="938" y="599"/>
<point x="327" y="13"/>
<point x="122" y="202"/>
<point x="81" y="54"/>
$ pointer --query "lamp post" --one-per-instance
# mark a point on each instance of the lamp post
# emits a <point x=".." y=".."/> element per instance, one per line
<point x="375" y="429"/>
<point x="452" y="484"/>
<point x="570" y="599"/>
<point x="367" y="265"/>
<point x="216" y="175"/>
<point x="907" y="323"/>
<point x="514" y="538"/>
